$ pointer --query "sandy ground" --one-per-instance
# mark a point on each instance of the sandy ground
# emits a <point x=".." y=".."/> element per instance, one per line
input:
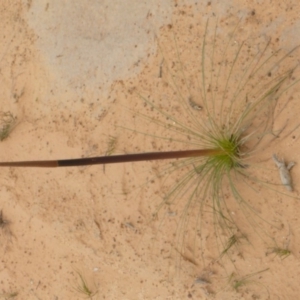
<point x="71" y="74"/>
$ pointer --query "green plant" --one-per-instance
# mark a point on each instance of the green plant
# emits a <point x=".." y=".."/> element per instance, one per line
<point x="238" y="282"/>
<point x="234" y="240"/>
<point x="281" y="252"/>
<point x="7" y="124"/>
<point x="84" y="288"/>
<point x="111" y="147"/>
<point x="241" y="87"/>
<point x="224" y="100"/>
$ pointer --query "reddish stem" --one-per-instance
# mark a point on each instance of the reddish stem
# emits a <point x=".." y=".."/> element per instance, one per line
<point x="100" y="160"/>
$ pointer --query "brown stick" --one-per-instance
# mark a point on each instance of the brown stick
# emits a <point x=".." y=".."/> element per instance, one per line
<point x="100" y="160"/>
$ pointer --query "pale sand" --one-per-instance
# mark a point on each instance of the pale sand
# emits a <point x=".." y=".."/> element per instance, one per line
<point x="69" y="73"/>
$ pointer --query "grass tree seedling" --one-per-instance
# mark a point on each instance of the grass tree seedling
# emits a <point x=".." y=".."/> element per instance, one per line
<point x="238" y="87"/>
